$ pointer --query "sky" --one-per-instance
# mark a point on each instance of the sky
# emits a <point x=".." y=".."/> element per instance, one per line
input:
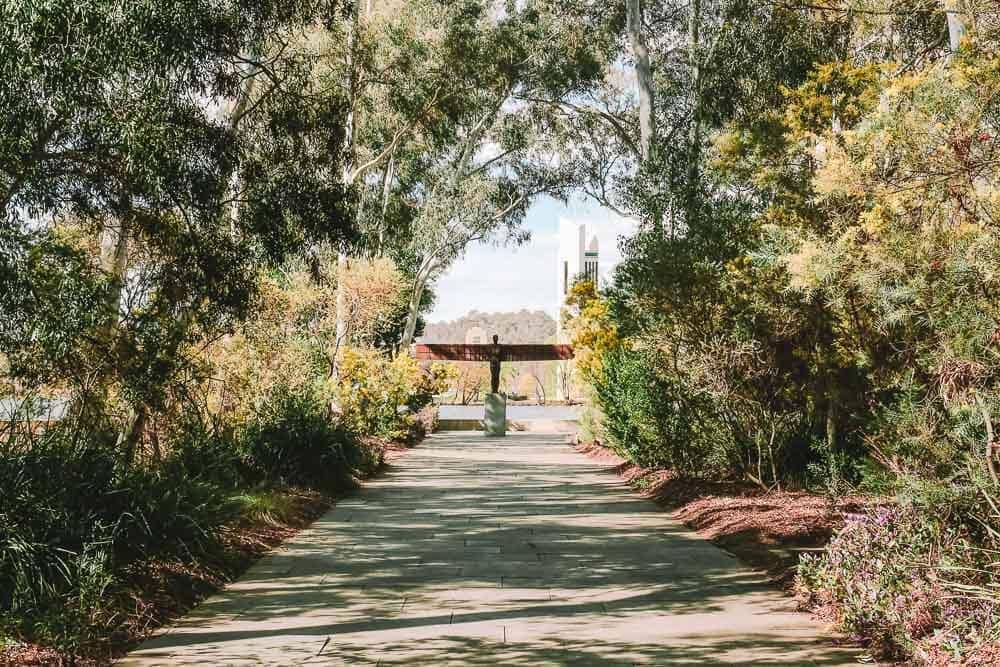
<point x="505" y="279"/>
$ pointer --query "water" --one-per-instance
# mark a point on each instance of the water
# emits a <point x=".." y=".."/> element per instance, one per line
<point x="514" y="412"/>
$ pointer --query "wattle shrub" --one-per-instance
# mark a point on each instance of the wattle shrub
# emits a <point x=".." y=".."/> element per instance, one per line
<point x="377" y="394"/>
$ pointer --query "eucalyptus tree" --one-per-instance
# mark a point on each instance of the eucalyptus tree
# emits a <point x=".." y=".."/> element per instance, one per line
<point x="386" y="59"/>
<point x="189" y="141"/>
<point x="476" y="172"/>
<point x="440" y="150"/>
<point x="677" y="72"/>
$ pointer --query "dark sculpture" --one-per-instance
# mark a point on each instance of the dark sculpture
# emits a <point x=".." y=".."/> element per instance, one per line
<point x="495" y="358"/>
<point x="494" y="353"/>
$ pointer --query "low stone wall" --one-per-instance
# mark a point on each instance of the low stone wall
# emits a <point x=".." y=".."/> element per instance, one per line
<point x="513" y="425"/>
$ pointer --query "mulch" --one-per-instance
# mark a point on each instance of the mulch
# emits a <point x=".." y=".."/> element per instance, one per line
<point x="155" y="592"/>
<point x="769" y="530"/>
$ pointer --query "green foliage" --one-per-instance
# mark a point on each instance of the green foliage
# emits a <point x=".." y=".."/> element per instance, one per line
<point x="461" y="127"/>
<point x="265" y="505"/>
<point x="127" y="134"/>
<point x="73" y="519"/>
<point x="651" y="419"/>
<point x="828" y="291"/>
<point x="811" y="296"/>
<point x="901" y="578"/>
<point x="292" y="441"/>
<point x="52" y="298"/>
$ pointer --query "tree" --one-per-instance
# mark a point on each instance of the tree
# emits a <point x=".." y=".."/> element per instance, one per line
<point x="748" y="342"/>
<point x="368" y="291"/>
<point x="643" y="75"/>
<point x="395" y="68"/>
<point x="468" y="382"/>
<point x="504" y="150"/>
<point x="118" y="171"/>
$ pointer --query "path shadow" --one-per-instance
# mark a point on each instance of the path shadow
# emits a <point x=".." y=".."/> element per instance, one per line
<point x="513" y="552"/>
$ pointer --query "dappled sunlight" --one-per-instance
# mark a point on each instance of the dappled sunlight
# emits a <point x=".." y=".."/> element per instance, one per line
<point x="476" y="551"/>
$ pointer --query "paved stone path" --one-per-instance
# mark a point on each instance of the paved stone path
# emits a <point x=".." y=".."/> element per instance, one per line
<point x="517" y="551"/>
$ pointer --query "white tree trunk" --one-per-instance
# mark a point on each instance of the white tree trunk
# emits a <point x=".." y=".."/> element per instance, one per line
<point x="387" y="177"/>
<point x="694" y="42"/>
<point x="412" y="312"/>
<point x="956" y="24"/>
<point x="348" y="180"/>
<point x="114" y="252"/>
<point x="644" y="76"/>
<point x="341" y="332"/>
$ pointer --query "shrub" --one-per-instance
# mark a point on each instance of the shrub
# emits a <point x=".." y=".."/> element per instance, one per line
<point x="376" y="393"/>
<point x="292" y="440"/>
<point x="893" y="578"/>
<point x="208" y="451"/>
<point x="648" y="418"/>
<point x="266" y="505"/>
<point x="418" y="426"/>
<point x="427" y="418"/>
<point x="71" y="517"/>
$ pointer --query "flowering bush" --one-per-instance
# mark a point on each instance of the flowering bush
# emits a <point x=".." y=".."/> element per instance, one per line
<point x="898" y="579"/>
<point x="379" y="395"/>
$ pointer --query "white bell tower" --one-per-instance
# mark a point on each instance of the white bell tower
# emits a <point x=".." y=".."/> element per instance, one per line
<point x="576" y="259"/>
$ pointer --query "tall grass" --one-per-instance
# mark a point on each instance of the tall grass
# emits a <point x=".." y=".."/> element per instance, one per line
<point x="74" y="517"/>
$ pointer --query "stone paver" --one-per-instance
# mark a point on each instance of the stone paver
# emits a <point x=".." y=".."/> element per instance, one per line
<point x="514" y="551"/>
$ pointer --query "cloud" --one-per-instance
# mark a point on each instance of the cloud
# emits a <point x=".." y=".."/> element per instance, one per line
<point x="503" y="279"/>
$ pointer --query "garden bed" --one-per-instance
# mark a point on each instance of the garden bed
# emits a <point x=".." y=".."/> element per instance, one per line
<point x="771" y="530"/>
<point x="155" y="592"/>
<point x="767" y="529"/>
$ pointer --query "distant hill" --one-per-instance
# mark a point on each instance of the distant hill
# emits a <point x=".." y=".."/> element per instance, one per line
<point x="524" y="326"/>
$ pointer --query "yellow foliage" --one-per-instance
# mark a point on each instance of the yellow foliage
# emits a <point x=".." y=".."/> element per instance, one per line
<point x="836" y="92"/>
<point x="805" y="268"/>
<point x="592" y="331"/>
<point x="874" y="220"/>
<point x="290" y="340"/>
<point x="372" y="386"/>
<point x="372" y="288"/>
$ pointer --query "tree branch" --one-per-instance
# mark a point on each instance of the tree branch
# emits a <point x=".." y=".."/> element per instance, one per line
<point x="397" y="137"/>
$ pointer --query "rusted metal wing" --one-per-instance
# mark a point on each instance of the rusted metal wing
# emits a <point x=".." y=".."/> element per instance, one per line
<point x="536" y="352"/>
<point x="484" y="352"/>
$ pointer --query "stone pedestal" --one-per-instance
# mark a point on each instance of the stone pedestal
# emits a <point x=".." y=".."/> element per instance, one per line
<point x="495" y="419"/>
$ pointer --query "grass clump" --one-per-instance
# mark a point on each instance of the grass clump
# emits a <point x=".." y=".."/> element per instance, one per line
<point x="75" y="520"/>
